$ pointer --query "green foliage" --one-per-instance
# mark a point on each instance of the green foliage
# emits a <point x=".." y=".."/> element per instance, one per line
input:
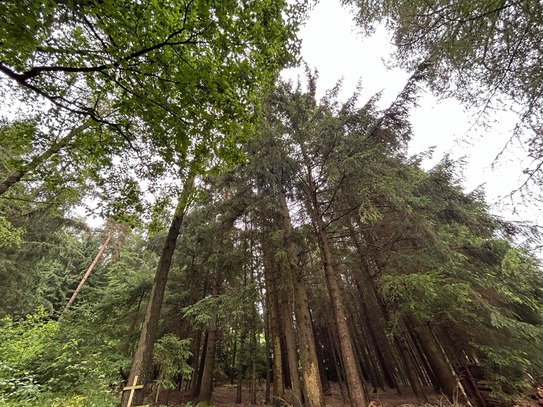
<point x="469" y="43"/>
<point x="171" y="355"/>
<point x="49" y="262"/>
<point x="507" y="365"/>
<point x="157" y="85"/>
<point x="9" y="235"/>
<point x="23" y="343"/>
<point x="25" y="340"/>
<point x="38" y="363"/>
<point x="434" y="252"/>
<point x="220" y="310"/>
<point x="485" y="53"/>
<point x="80" y="357"/>
<point x="76" y="362"/>
<point x="16" y="141"/>
<point x="93" y="397"/>
<point x="426" y="297"/>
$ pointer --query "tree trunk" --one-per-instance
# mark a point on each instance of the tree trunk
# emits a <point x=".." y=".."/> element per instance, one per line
<point x="207" y="375"/>
<point x="331" y="275"/>
<point x="448" y="380"/>
<point x="241" y="365"/>
<point x="87" y="273"/>
<point x="352" y="377"/>
<point x="233" y="363"/>
<point x="308" y="354"/>
<point x="267" y="391"/>
<point x="319" y="335"/>
<point x="336" y="360"/>
<point x="370" y="282"/>
<point x="253" y="365"/>
<point x="253" y="343"/>
<point x="278" y="389"/>
<point x="311" y="382"/>
<point x="422" y="366"/>
<point x="268" y="351"/>
<point x="143" y="357"/>
<point x="195" y="388"/>
<point x="412" y="375"/>
<point x="290" y="344"/>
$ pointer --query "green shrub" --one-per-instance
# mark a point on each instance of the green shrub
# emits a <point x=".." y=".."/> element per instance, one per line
<point x="41" y="364"/>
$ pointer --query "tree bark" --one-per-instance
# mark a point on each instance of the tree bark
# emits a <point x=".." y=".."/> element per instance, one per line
<point x="278" y="390"/>
<point x="266" y="318"/>
<point x="412" y="374"/>
<point x="253" y="363"/>
<point x="335" y="354"/>
<point x="311" y="382"/>
<point x="234" y="355"/>
<point x="207" y="375"/>
<point x="143" y="357"/>
<point x="354" y="384"/>
<point x="370" y="282"/>
<point x="241" y="365"/>
<point x="87" y="273"/>
<point x="448" y="380"/>
<point x="331" y="275"/>
<point x="195" y="387"/>
<point x="290" y="343"/>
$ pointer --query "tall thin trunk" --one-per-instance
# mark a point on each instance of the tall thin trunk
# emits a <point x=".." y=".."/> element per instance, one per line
<point x="311" y="382"/>
<point x="412" y="375"/>
<point x="88" y="273"/>
<point x="448" y="380"/>
<point x="331" y="275"/>
<point x="143" y="357"/>
<point x="253" y="364"/>
<point x="267" y="391"/>
<point x="371" y="284"/>
<point x="278" y="389"/>
<point x="367" y="363"/>
<point x="322" y="356"/>
<point x="290" y="344"/>
<point x="233" y="363"/>
<point x="207" y="374"/>
<point x="352" y="377"/>
<point x="371" y="329"/>
<point x="268" y="350"/>
<point x="336" y="360"/>
<point x="418" y="354"/>
<point x="206" y="387"/>
<point x="253" y="343"/>
<point x="195" y="390"/>
<point x="241" y="365"/>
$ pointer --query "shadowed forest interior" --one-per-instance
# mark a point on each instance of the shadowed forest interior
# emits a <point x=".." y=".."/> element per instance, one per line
<point x="259" y="245"/>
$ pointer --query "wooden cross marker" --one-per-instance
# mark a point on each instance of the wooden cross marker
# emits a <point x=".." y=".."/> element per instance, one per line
<point x="132" y="389"/>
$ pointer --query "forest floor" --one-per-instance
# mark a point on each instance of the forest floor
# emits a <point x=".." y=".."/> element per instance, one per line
<point x="225" y="396"/>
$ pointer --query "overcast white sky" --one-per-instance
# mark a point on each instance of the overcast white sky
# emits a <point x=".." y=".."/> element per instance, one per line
<point x="331" y="44"/>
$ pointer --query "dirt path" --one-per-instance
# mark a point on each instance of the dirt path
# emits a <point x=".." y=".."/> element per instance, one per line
<point x="225" y="396"/>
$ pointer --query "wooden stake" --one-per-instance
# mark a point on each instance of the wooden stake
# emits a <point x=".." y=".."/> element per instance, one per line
<point x="132" y="389"/>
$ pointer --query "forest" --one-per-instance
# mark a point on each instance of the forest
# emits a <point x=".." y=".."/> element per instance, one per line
<point x="179" y="226"/>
